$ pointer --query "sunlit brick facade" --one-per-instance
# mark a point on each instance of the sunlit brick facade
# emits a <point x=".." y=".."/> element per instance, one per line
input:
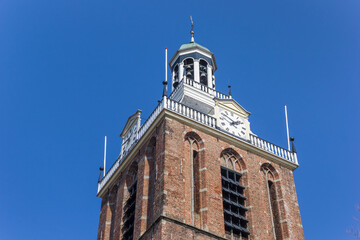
<point x="184" y="177"/>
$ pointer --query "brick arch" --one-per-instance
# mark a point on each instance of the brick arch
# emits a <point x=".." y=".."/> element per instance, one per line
<point x="275" y="201"/>
<point x="195" y="183"/>
<point x="150" y="173"/>
<point x="131" y="175"/>
<point x="229" y="158"/>
<point x="130" y="188"/>
<point x="112" y="203"/>
<point x="267" y="168"/>
<point x="193" y="136"/>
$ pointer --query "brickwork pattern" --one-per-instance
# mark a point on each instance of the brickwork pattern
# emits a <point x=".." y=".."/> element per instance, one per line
<point x="164" y="190"/>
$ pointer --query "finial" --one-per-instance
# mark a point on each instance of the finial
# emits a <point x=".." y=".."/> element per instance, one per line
<point x="165" y="89"/>
<point x="192" y="30"/>
<point x="293" y="150"/>
<point x="100" y="177"/>
<point x="229" y="90"/>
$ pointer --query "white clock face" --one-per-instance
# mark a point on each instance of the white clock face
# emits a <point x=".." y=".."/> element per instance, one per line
<point x="129" y="139"/>
<point x="232" y="123"/>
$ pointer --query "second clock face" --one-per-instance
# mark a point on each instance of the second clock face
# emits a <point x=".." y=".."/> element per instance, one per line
<point x="232" y="123"/>
<point x="130" y="138"/>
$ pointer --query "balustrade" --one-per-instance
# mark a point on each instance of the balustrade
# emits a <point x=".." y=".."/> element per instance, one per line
<point x="199" y="86"/>
<point x="272" y="148"/>
<point x="202" y="118"/>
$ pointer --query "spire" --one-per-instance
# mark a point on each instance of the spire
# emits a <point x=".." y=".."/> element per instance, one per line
<point x="192" y="30"/>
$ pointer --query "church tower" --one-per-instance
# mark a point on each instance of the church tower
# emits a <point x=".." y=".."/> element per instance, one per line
<point x="194" y="169"/>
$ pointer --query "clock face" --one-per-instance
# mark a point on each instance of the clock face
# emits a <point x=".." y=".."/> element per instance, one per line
<point x="129" y="138"/>
<point x="232" y="123"/>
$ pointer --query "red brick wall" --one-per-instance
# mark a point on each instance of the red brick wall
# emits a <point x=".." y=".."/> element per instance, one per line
<point x="164" y="189"/>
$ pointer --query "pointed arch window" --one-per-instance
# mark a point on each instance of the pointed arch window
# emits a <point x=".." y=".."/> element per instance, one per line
<point x="150" y="170"/>
<point x="113" y="202"/>
<point x="270" y="177"/>
<point x="195" y="184"/>
<point x="195" y="178"/>
<point x="233" y="198"/>
<point x="129" y="206"/>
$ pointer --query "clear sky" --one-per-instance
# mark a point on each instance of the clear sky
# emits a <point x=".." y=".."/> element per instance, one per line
<point x="73" y="71"/>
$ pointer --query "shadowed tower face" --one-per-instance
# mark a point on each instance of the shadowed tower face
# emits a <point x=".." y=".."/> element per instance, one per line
<point x="193" y="169"/>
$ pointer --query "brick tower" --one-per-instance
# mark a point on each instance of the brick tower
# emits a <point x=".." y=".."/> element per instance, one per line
<point x="194" y="169"/>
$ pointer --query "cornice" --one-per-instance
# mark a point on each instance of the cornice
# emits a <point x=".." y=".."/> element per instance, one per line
<point x="206" y="129"/>
<point x="232" y="140"/>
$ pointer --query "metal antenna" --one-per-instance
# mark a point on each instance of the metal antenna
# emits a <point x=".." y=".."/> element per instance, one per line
<point x="165" y="82"/>
<point x="287" y="128"/>
<point x="105" y="156"/>
<point x="192" y="30"/>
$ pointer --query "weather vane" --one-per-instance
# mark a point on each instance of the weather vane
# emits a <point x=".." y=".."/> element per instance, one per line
<point x="192" y="30"/>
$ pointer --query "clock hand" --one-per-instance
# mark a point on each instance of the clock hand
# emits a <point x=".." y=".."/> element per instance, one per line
<point x="226" y="120"/>
<point x="227" y="117"/>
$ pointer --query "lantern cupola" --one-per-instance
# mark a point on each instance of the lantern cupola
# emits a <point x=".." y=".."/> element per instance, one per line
<point x="193" y="65"/>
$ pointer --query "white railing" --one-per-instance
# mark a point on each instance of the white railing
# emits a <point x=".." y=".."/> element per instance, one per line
<point x="150" y="119"/>
<point x="199" y="86"/>
<point x="272" y="148"/>
<point x="180" y="84"/>
<point x="202" y="118"/>
<point x="190" y="113"/>
<point x="169" y="105"/>
<point x="205" y="88"/>
<point x="141" y="132"/>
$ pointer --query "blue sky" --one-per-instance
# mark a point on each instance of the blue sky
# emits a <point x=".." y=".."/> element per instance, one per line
<point x="73" y="71"/>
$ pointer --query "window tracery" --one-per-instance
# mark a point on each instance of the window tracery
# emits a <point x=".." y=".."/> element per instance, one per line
<point x="233" y="196"/>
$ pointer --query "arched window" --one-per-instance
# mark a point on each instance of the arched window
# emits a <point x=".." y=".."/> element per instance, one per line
<point x="176" y="76"/>
<point x="189" y="68"/>
<point x="233" y="195"/>
<point x="150" y="172"/>
<point x="194" y="166"/>
<point x="203" y="72"/>
<point x="112" y="204"/>
<point x="193" y="156"/>
<point x="213" y="80"/>
<point x="270" y="176"/>
<point x="129" y="206"/>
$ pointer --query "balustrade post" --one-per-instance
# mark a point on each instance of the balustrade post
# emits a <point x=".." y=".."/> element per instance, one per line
<point x="164" y="101"/>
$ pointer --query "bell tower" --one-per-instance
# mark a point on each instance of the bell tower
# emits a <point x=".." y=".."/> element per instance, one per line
<point x="194" y="65"/>
<point x="193" y="169"/>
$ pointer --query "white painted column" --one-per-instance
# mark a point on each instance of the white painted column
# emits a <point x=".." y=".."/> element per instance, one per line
<point x="196" y="70"/>
<point x="213" y="80"/>
<point x="181" y="71"/>
<point x="209" y="76"/>
<point x="122" y="148"/>
<point x="173" y="80"/>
